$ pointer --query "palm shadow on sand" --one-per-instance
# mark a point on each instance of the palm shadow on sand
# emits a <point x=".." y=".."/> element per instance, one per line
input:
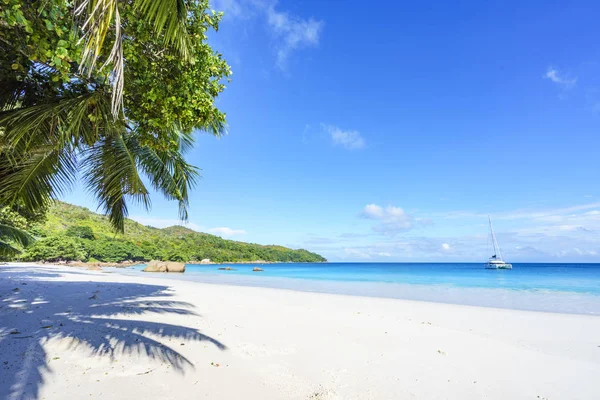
<point x="36" y="307"/>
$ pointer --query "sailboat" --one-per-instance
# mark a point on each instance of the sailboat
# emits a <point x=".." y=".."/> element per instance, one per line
<point x="496" y="261"/>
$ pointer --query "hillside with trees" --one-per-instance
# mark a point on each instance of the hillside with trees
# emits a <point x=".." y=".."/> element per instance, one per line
<point x="71" y="232"/>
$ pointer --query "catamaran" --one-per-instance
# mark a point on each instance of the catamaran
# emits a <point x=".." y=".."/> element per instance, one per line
<point x="496" y="261"/>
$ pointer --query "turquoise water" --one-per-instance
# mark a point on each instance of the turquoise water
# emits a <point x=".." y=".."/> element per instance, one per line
<point x="572" y="288"/>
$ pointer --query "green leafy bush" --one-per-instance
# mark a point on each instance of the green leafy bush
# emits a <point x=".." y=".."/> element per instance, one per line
<point x="82" y="232"/>
<point x="56" y="248"/>
<point x="109" y="250"/>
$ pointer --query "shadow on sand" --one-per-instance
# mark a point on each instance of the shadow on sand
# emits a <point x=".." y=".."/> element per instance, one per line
<point x="36" y="307"/>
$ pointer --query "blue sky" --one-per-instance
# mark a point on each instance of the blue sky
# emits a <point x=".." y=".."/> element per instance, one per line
<point x="388" y="131"/>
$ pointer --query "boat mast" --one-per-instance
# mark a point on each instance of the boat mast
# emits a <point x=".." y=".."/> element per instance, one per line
<point x="495" y="243"/>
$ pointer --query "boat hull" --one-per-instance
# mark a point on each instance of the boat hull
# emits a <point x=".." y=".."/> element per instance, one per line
<point x="498" y="266"/>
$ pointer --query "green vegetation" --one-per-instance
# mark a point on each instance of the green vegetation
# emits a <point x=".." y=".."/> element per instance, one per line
<point x="13" y="231"/>
<point x="108" y="92"/>
<point x="75" y="233"/>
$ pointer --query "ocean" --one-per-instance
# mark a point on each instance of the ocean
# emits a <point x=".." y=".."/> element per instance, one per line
<point x="565" y="288"/>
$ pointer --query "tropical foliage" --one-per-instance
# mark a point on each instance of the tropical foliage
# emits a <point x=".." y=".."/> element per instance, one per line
<point x="108" y="92"/>
<point x="75" y="233"/>
<point x="13" y="234"/>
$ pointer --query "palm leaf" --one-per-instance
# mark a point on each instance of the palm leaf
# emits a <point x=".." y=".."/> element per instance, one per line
<point x="38" y="177"/>
<point x="168" y="171"/>
<point x="111" y="174"/>
<point x="64" y="121"/>
<point x="169" y="18"/>
<point x="7" y="250"/>
<point x="16" y="235"/>
<point x="41" y="145"/>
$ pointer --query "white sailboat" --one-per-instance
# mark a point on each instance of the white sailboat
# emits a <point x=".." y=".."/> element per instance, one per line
<point x="496" y="261"/>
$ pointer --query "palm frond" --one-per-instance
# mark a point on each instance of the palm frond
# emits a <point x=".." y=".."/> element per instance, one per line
<point x="169" y="172"/>
<point x="40" y="145"/>
<point x="216" y="125"/>
<point x="98" y="18"/>
<point x="38" y="177"/>
<point x="10" y="93"/>
<point x="6" y="250"/>
<point x="169" y="18"/>
<point x="60" y="122"/>
<point x="10" y="233"/>
<point x="111" y="174"/>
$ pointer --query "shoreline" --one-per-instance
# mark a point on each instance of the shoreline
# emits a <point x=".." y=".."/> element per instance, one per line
<point x="544" y="300"/>
<point x="125" y="264"/>
<point x="537" y="300"/>
<point x="104" y="334"/>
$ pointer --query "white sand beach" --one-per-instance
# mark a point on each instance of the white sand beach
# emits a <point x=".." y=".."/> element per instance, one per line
<point x="69" y="333"/>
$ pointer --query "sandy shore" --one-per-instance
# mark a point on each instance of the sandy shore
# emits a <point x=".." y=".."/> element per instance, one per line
<point x="69" y="333"/>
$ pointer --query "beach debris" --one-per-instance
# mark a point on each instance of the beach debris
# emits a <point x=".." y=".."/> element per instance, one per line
<point x="16" y="289"/>
<point x="256" y="269"/>
<point x="426" y="323"/>
<point x="442" y="352"/>
<point x="56" y="358"/>
<point x="214" y="364"/>
<point x="94" y="297"/>
<point x="14" y="333"/>
<point x="147" y="372"/>
<point x="47" y="327"/>
<point x="322" y="394"/>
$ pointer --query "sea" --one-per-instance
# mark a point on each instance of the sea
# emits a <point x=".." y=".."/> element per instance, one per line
<point x="547" y="287"/>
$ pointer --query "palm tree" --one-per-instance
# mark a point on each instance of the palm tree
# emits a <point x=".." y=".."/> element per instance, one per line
<point x="9" y="235"/>
<point x="83" y="134"/>
<point x="51" y="146"/>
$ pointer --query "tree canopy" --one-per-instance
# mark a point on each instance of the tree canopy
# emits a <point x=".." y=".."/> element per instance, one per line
<point x="108" y="92"/>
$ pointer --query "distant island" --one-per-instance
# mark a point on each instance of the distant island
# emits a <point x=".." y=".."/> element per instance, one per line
<point x="73" y="233"/>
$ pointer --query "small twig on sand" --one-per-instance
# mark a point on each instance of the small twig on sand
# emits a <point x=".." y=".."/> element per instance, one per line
<point x="147" y="372"/>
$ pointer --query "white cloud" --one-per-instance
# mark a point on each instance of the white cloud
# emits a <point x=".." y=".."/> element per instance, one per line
<point x="225" y="231"/>
<point x="555" y="76"/>
<point x="350" y="140"/>
<point x="293" y="32"/>
<point x="290" y="32"/>
<point x="540" y="214"/>
<point x="373" y="211"/>
<point x="391" y="219"/>
<point x="354" y="253"/>
<point x="565" y="234"/>
<point x="231" y="8"/>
